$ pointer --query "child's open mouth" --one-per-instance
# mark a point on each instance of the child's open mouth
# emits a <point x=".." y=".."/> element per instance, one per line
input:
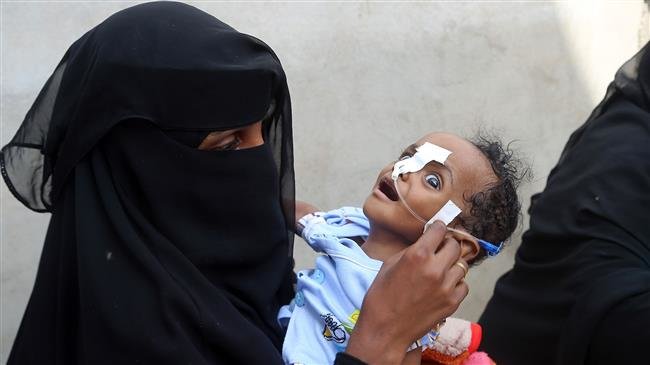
<point x="387" y="187"/>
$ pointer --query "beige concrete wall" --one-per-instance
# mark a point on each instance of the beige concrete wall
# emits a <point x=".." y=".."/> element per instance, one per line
<point x="366" y="79"/>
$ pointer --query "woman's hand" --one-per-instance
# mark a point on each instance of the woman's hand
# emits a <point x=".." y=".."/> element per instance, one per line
<point x="414" y="290"/>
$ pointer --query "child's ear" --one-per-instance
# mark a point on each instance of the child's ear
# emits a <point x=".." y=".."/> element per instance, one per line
<point x="469" y="247"/>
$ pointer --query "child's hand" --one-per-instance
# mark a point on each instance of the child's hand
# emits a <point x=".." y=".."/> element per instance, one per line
<point x="302" y="209"/>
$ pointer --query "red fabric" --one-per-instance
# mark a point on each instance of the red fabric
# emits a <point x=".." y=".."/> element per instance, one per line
<point x="477" y="333"/>
<point x="431" y="357"/>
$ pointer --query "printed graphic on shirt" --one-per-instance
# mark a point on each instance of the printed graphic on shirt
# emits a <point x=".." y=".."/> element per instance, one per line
<point x="333" y="329"/>
<point x="353" y="317"/>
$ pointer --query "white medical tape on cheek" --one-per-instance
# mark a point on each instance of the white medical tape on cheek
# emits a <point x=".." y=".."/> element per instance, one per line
<point x="446" y="214"/>
<point x="426" y="153"/>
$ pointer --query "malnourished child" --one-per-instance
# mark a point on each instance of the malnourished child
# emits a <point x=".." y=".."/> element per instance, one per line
<point x="469" y="186"/>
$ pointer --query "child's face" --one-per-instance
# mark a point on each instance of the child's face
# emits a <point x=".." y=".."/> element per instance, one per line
<point x="465" y="172"/>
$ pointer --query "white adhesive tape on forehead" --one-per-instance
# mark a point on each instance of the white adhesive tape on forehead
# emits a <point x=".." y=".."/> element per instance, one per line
<point x="446" y="214"/>
<point x="425" y="153"/>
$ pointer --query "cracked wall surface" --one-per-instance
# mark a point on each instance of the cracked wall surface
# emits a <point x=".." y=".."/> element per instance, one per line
<point x="366" y="80"/>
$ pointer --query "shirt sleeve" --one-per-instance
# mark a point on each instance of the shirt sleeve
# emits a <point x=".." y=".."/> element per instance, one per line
<point x="344" y="359"/>
<point x="326" y="231"/>
<point x="624" y="334"/>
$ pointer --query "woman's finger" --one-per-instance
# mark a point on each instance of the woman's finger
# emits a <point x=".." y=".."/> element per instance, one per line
<point x="431" y="238"/>
<point x="456" y="296"/>
<point x="460" y="292"/>
<point x="457" y="272"/>
<point x="448" y="253"/>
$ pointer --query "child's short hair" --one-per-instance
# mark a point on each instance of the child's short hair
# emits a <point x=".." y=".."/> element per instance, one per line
<point x="495" y="211"/>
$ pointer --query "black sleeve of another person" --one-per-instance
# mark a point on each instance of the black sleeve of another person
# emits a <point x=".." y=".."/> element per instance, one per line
<point x="623" y="336"/>
<point x="344" y="359"/>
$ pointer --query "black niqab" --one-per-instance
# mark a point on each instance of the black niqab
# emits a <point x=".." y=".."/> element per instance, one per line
<point x="157" y="253"/>
<point x="579" y="292"/>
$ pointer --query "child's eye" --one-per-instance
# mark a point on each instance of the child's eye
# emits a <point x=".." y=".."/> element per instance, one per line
<point x="433" y="180"/>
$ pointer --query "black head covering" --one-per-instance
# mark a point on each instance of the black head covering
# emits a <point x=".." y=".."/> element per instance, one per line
<point x="157" y="253"/>
<point x="579" y="292"/>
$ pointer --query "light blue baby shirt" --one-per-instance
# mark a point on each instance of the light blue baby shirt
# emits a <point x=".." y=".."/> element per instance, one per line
<point x="328" y="298"/>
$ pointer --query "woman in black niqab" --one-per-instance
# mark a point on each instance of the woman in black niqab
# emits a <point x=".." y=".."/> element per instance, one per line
<point x="579" y="292"/>
<point x="157" y="252"/>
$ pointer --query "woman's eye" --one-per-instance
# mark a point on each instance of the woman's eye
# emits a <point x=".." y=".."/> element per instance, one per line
<point x="231" y="145"/>
<point x="433" y="180"/>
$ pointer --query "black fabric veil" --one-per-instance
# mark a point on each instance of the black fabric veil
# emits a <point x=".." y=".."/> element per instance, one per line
<point x="579" y="292"/>
<point x="157" y="253"/>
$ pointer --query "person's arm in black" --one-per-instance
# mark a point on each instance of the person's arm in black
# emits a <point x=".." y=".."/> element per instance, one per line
<point x="623" y="335"/>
